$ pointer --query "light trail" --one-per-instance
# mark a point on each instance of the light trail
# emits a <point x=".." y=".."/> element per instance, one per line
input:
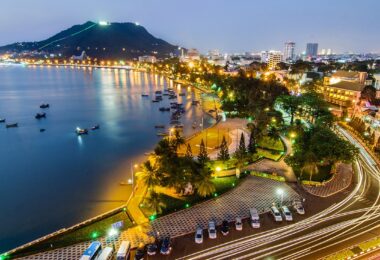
<point x="367" y="173"/>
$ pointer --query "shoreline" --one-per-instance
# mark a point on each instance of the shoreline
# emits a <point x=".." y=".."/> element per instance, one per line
<point x="140" y="156"/>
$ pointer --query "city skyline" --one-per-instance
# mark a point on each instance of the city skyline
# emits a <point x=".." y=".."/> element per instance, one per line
<point x="190" y="26"/>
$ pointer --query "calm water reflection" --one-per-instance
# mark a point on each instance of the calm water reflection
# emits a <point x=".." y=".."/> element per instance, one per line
<point x="54" y="179"/>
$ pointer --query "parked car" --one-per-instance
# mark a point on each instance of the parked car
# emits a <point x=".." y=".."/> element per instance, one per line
<point x="298" y="207"/>
<point x="276" y="214"/>
<point x="140" y="252"/>
<point x="225" y="228"/>
<point x="211" y="230"/>
<point x="166" y="246"/>
<point x="287" y="214"/>
<point x="238" y="224"/>
<point x="255" y="218"/>
<point x="151" y="249"/>
<point x="199" y="236"/>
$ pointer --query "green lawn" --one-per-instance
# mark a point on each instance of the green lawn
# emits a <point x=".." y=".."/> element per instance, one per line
<point x="91" y="231"/>
<point x="270" y="154"/>
<point x="267" y="143"/>
<point x="222" y="185"/>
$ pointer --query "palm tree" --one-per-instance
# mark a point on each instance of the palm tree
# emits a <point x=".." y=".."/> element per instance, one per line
<point x="148" y="175"/>
<point x="204" y="184"/>
<point x="154" y="202"/>
<point x="310" y="164"/>
<point x="273" y="134"/>
<point x="178" y="140"/>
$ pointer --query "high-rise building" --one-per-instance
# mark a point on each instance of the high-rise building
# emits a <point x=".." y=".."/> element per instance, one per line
<point x="289" y="53"/>
<point x="274" y="57"/>
<point x="311" y="50"/>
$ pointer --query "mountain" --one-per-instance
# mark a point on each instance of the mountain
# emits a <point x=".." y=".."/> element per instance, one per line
<point x="99" y="40"/>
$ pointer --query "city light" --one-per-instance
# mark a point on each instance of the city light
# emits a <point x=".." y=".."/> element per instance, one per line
<point x="218" y="169"/>
<point x="103" y="23"/>
<point x="112" y="232"/>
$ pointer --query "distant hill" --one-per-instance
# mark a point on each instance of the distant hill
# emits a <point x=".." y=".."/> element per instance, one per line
<point x="114" y="40"/>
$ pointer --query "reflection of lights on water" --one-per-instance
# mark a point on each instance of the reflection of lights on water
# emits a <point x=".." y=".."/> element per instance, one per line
<point x="80" y="140"/>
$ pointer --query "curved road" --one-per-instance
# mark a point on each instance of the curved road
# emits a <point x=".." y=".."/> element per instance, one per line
<point x="354" y="219"/>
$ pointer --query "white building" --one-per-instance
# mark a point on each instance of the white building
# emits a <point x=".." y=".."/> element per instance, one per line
<point x="148" y="59"/>
<point x="274" y="58"/>
<point x="289" y="52"/>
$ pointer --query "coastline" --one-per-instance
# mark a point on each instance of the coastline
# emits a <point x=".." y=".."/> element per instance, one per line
<point x="117" y="209"/>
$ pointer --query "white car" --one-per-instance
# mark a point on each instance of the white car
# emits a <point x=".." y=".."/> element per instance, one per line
<point x="287" y="214"/>
<point x="199" y="236"/>
<point x="255" y="218"/>
<point x="211" y="230"/>
<point x="238" y="224"/>
<point x="298" y="207"/>
<point x="276" y="214"/>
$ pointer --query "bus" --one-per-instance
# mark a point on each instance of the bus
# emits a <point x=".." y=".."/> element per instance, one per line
<point x="106" y="254"/>
<point x="123" y="251"/>
<point x="92" y="251"/>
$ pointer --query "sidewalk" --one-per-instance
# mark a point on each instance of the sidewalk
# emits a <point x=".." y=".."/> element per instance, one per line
<point x="134" y="204"/>
<point x="340" y="181"/>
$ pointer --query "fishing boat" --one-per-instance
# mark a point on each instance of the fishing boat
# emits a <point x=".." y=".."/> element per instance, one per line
<point x="2" y="120"/>
<point x="95" y="127"/>
<point x="164" y="109"/>
<point x="155" y="101"/>
<point x="44" y="105"/>
<point x="162" y="134"/>
<point x="40" y="115"/>
<point x="81" y="131"/>
<point x="159" y="126"/>
<point x="42" y="130"/>
<point x="158" y="92"/>
<point x="11" y="125"/>
<point x="144" y="95"/>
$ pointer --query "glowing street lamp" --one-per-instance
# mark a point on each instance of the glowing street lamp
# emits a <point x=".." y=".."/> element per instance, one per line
<point x="280" y="192"/>
<point x="112" y="232"/>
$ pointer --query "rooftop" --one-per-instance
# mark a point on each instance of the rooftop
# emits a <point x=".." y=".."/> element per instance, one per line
<point x="346" y="74"/>
<point x="347" y="85"/>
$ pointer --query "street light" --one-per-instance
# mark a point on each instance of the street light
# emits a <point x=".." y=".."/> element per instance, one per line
<point x="280" y="192"/>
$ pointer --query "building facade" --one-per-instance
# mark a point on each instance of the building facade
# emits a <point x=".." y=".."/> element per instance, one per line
<point x="274" y="57"/>
<point x="289" y="52"/>
<point x="311" y="49"/>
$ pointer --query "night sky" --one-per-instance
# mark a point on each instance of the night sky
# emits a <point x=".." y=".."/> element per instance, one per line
<point x="227" y="25"/>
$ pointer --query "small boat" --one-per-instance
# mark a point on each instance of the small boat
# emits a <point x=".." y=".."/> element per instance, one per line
<point x="44" y="105"/>
<point x="144" y="95"/>
<point x="42" y="130"/>
<point x="159" y="126"/>
<point x="179" y="126"/>
<point x="95" y="127"/>
<point x="81" y="131"/>
<point x="11" y="125"/>
<point x="182" y="94"/>
<point x="174" y="122"/>
<point x="40" y="115"/>
<point x="2" y="120"/>
<point x="158" y="92"/>
<point x="162" y="134"/>
<point x="165" y="94"/>
<point x="155" y="101"/>
<point x="172" y="97"/>
<point x="164" y="109"/>
<point x="159" y="98"/>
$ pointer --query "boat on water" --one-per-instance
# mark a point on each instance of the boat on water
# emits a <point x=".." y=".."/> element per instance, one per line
<point x="11" y="125"/>
<point x="144" y="95"/>
<point x="159" y="126"/>
<point x="179" y="126"/>
<point x="164" y="109"/>
<point x="44" y="105"/>
<point x="174" y="122"/>
<point x="95" y="127"/>
<point x="172" y="97"/>
<point x="42" y="130"/>
<point x="158" y="92"/>
<point x="182" y="94"/>
<point x="155" y="101"/>
<point x="40" y="115"/>
<point x="81" y="131"/>
<point x="2" y="120"/>
<point x="162" y="134"/>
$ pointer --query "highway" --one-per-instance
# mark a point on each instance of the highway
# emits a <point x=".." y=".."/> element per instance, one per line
<point x="353" y="219"/>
